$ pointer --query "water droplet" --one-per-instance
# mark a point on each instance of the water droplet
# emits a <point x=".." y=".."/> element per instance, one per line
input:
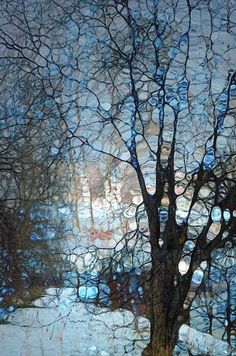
<point x="158" y="43"/>
<point x="153" y="101"/>
<point x="172" y="52"/>
<point x="197" y="277"/>
<point x="209" y="158"/>
<point x="88" y="292"/>
<point x="183" y="267"/>
<point x="226" y="214"/>
<point x="10" y="309"/>
<point x="216" y="214"/>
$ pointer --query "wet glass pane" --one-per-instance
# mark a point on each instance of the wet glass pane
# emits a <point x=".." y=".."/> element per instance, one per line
<point x="117" y="177"/>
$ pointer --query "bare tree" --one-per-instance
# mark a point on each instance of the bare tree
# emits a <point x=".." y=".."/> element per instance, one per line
<point x="151" y="86"/>
<point x="31" y="157"/>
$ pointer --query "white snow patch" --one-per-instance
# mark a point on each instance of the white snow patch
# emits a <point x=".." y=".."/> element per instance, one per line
<point x="201" y="343"/>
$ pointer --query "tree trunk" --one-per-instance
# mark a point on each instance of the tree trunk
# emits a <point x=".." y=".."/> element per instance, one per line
<point x="166" y="291"/>
<point x="165" y="303"/>
<point x="157" y="349"/>
<point x="165" y="320"/>
<point x="162" y="341"/>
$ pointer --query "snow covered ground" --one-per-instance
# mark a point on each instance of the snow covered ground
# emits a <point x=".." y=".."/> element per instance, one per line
<point x="69" y="328"/>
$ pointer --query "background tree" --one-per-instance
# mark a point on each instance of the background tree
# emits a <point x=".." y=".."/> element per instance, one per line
<point x="150" y="85"/>
<point x="31" y="159"/>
